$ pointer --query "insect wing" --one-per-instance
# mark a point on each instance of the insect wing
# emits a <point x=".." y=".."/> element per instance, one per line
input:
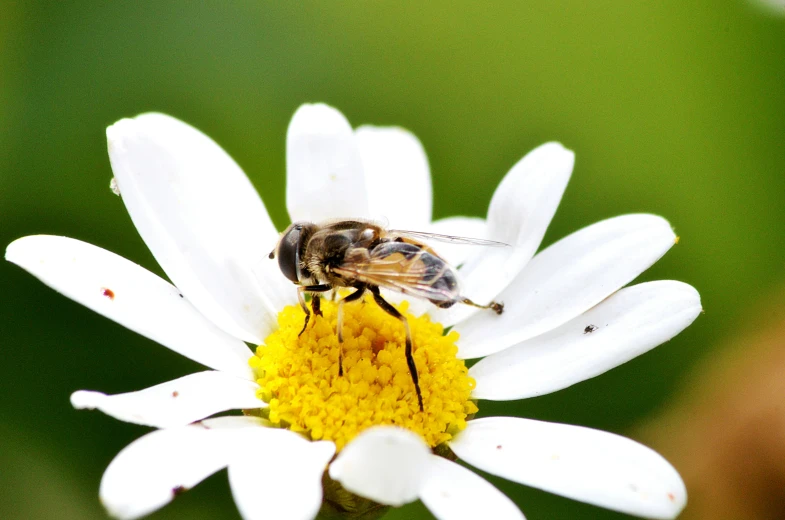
<point x="449" y="239"/>
<point x="404" y="268"/>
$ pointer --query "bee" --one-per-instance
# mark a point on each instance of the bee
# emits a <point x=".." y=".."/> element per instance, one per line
<point x="366" y="257"/>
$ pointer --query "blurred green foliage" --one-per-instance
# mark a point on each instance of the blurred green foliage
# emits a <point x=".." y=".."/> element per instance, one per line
<point x="673" y="107"/>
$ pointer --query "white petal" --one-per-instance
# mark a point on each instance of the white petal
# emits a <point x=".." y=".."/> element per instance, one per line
<point x="384" y="463"/>
<point x="324" y="173"/>
<point x="281" y="477"/>
<point x="469" y="227"/>
<point x="630" y="322"/>
<point x="452" y="492"/>
<point x="397" y="176"/>
<point x="175" y="403"/>
<point x="520" y="211"/>
<point x="592" y="466"/>
<point x="130" y="295"/>
<point x="235" y="422"/>
<point x="148" y="473"/>
<point x="568" y="278"/>
<point x="202" y="220"/>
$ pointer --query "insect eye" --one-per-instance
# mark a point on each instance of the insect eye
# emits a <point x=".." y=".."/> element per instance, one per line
<point x="289" y="252"/>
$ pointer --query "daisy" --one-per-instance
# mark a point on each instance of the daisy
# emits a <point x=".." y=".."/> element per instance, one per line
<point x="312" y="440"/>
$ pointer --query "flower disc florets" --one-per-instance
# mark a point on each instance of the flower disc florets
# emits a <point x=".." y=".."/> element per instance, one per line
<point x="298" y="375"/>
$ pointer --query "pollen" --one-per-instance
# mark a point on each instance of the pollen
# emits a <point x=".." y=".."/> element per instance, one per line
<point x="298" y="375"/>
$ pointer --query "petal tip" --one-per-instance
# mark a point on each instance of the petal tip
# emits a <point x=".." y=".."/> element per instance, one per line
<point x="118" y="511"/>
<point x="86" y="399"/>
<point x="656" y="221"/>
<point x="23" y="251"/>
<point x="317" y="118"/>
<point x="387" y="135"/>
<point x="12" y="250"/>
<point x="678" y="500"/>
<point x="127" y="128"/>
<point x="692" y="294"/>
<point x="555" y="149"/>
<point x="315" y="108"/>
<point x="118" y="133"/>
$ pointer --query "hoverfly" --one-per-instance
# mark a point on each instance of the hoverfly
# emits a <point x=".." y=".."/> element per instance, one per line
<point x="364" y="256"/>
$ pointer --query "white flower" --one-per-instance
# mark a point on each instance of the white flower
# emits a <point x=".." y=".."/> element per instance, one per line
<point x="566" y="319"/>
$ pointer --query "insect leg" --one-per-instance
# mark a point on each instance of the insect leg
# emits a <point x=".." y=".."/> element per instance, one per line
<point x="316" y="304"/>
<point x="350" y="298"/>
<point x="498" y="308"/>
<point x="392" y="311"/>
<point x="301" y="298"/>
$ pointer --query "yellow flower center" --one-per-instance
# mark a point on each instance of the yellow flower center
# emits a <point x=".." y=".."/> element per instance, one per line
<point x="298" y="375"/>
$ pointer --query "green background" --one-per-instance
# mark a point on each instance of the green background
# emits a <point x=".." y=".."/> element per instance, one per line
<point x="674" y="107"/>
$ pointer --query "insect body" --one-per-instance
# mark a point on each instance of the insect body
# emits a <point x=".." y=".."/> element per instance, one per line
<point x="366" y="257"/>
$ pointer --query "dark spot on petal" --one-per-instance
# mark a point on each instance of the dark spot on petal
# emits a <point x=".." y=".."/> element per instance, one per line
<point x="179" y="490"/>
<point x="498" y="446"/>
<point x="671" y="497"/>
<point x="107" y="292"/>
<point x="175" y="394"/>
<point x="589" y="329"/>
<point x="181" y="295"/>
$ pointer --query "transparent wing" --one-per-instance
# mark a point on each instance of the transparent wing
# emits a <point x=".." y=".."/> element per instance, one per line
<point x="404" y="268"/>
<point x="450" y="239"/>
